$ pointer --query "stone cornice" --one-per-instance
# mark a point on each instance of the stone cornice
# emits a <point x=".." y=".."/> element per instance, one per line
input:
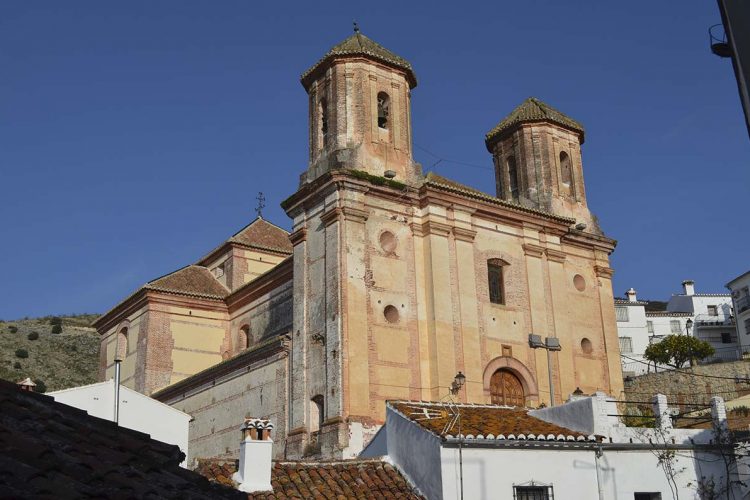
<point x="298" y="236"/>
<point x="556" y="255"/>
<point x="462" y="234"/>
<point x="354" y="214"/>
<point x="436" y="228"/>
<point x="604" y="271"/>
<point x="533" y="250"/>
<point x="331" y="215"/>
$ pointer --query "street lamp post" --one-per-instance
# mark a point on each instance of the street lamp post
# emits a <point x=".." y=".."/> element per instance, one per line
<point x="688" y="327"/>
<point x="458" y="382"/>
<point x="549" y="344"/>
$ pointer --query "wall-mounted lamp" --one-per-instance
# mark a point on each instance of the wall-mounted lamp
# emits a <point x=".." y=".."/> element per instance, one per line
<point x="458" y="381"/>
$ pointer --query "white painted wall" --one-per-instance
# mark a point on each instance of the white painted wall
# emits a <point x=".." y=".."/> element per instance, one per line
<point x="137" y="411"/>
<point x="416" y="452"/>
<point x="740" y="292"/>
<point x="492" y="473"/>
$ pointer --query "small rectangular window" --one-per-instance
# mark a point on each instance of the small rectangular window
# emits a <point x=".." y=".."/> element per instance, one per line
<point x="674" y="326"/>
<point x="650" y="326"/>
<point x="647" y="496"/>
<point x="532" y="493"/>
<point x="713" y="311"/>
<point x="747" y="326"/>
<point x="621" y="313"/>
<point x="495" y="279"/>
<point x="626" y="345"/>
<point x="726" y="338"/>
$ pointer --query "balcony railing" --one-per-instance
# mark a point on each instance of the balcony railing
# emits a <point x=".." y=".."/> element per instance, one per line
<point x="703" y="320"/>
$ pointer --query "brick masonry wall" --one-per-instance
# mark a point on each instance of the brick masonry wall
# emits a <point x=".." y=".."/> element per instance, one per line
<point x="690" y="385"/>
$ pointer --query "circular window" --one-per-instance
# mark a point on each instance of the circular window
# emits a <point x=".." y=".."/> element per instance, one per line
<point x="586" y="346"/>
<point x="579" y="282"/>
<point x="388" y="241"/>
<point x="391" y="314"/>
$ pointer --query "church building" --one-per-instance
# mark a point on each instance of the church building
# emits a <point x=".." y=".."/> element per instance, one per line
<point x="390" y="283"/>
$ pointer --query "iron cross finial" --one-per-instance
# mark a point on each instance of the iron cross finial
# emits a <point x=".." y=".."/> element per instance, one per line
<point x="261" y="204"/>
<point x="356" y="27"/>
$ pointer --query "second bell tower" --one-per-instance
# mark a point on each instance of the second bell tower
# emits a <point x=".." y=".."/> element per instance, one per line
<point x="360" y="111"/>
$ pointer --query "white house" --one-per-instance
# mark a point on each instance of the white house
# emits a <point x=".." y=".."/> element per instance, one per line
<point x="706" y="316"/>
<point x="579" y="450"/>
<point x="137" y="411"/>
<point x="739" y="288"/>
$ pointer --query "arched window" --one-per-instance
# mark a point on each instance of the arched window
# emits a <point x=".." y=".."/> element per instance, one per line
<point x="122" y="344"/>
<point x="566" y="172"/>
<point x="513" y="177"/>
<point x="495" y="280"/>
<point x="316" y="413"/>
<point x="323" y="112"/>
<point x="506" y="389"/>
<point x="384" y="109"/>
<point x="245" y="339"/>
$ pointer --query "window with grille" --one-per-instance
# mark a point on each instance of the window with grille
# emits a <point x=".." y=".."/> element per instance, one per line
<point x="726" y="338"/>
<point x="674" y="326"/>
<point x="495" y="281"/>
<point x="650" y="326"/>
<point x="626" y="345"/>
<point x="533" y="493"/>
<point x="621" y="313"/>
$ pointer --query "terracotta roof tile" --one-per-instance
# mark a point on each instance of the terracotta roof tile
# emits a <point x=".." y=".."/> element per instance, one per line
<point x="360" y="45"/>
<point x="262" y="234"/>
<point x="190" y="280"/>
<point x="438" y="181"/>
<point x="481" y="420"/>
<point x="52" y="450"/>
<point x="533" y="110"/>
<point x="355" y="479"/>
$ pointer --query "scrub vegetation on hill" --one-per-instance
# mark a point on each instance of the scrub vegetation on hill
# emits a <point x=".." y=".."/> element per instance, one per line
<point x="56" y="352"/>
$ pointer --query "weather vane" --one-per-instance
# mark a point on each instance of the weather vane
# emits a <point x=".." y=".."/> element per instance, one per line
<point x="261" y="204"/>
<point x="356" y="26"/>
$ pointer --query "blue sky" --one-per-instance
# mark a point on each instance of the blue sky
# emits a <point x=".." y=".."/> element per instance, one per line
<point x="134" y="136"/>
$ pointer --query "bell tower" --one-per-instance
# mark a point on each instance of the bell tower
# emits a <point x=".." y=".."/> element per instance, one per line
<point x="537" y="154"/>
<point x="360" y="111"/>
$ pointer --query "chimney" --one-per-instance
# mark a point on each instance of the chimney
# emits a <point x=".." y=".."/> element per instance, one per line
<point x="689" y="287"/>
<point x="254" y="472"/>
<point x="661" y="412"/>
<point x="631" y="295"/>
<point x="27" y="385"/>
<point x="719" y="416"/>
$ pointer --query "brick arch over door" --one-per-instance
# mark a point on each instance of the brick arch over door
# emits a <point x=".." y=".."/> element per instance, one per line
<point x="512" y="365"/>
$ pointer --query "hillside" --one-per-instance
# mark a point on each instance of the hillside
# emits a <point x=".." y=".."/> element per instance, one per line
<point x="59" y="360"/>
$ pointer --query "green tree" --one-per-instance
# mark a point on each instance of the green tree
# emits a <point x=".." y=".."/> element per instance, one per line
<point x="678" y="350"/>
<point x="40" y="385"/>
<point x="22" y="353"/>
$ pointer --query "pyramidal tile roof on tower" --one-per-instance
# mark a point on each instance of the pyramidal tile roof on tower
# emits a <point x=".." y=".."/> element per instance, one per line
<point x="360" y="45"/>
<point x="533" y="110"/>
<point x="262" y="234"/>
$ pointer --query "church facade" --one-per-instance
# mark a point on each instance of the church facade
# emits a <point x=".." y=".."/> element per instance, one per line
<point x="390" y="283"/>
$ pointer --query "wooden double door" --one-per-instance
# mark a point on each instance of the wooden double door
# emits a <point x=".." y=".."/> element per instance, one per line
<point x="506" y="389"/>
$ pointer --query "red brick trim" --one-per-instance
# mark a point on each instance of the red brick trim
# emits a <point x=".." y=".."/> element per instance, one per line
<point x="528" y="382"/>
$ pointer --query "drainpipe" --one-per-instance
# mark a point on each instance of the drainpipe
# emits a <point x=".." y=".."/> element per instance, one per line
<point x="117" y="390"/>
<point x="599" y="483"/>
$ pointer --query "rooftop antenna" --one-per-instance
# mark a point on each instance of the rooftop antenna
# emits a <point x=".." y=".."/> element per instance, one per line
<point x="356" y="26"/>
<point x="261" y="204"/>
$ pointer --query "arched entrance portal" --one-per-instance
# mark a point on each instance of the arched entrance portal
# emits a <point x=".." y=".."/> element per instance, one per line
<point x="506" y="389"/>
